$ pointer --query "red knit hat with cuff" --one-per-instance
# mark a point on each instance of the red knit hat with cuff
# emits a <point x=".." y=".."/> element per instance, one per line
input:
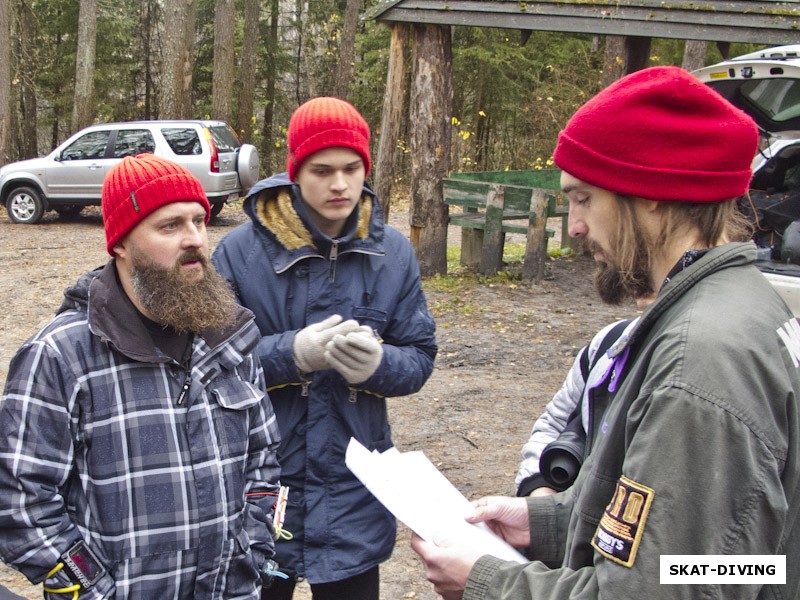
<point x="660" y="134"/>
<point x="322" y="123"/>
<point x="140" y="185"/>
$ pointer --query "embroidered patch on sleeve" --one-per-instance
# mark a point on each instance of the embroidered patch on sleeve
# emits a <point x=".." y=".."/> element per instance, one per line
<point x="621" y="527"/>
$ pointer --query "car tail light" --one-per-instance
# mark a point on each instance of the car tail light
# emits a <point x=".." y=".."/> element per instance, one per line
<point x="214" y="152"/>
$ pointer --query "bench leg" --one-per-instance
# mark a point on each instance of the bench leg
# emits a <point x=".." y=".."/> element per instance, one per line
<point x="493" y="235"/>
<point x="536" y="247"/>
<point x="492" y="254"/>
<point x="567" y="241"/>
<point x="471" y="245"/>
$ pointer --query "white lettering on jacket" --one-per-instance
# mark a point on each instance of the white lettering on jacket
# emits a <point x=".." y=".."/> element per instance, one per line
<point x="789" y="332"/>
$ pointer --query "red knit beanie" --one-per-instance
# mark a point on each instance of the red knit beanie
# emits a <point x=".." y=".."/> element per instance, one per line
<point x="324" y="123"/>
<point x="660" y="134"/>
<point x="140" y="185"/>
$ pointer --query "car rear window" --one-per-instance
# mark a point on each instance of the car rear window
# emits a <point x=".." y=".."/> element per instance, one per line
<point x="184" y="141"/>
<point x="224" y="138"/>
<point x="779" y="99"/>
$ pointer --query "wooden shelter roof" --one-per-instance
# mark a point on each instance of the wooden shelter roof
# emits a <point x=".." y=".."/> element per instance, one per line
<point x="769" y="22"/>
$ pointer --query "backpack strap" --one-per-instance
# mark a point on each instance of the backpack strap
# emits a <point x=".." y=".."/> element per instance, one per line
<point x="611" y="336"/>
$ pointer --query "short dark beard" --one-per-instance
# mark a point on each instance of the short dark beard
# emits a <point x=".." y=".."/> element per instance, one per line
<point x="615" y="285"/>
<point x="175" y="301"/>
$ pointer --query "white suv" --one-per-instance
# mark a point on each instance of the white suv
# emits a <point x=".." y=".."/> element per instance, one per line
<point x="71" y="176"/>
<point x="766" y="85"/>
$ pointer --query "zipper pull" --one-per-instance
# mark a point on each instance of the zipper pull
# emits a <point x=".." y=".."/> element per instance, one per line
<point x="332" y="256"/>
<point x="304" y="389"/>
<point x="185" y="390"/>
<point x="353" y="396"/>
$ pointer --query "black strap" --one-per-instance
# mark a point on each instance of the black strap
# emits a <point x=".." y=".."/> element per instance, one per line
<point x="608" y="340"/>
<point x="562" y="458"/>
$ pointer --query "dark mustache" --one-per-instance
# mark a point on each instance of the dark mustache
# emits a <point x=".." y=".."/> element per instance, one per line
<point x="193" y="255"/>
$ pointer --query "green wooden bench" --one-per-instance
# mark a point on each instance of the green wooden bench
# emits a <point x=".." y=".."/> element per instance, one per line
<point x="495" y="203"/>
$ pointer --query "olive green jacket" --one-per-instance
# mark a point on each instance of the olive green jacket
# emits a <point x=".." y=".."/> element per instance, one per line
<point x="696" y="455"/>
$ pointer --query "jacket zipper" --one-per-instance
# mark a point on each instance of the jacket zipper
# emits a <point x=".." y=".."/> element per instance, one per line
<point x="332" y="256"/>
<point x="186" y="383"/>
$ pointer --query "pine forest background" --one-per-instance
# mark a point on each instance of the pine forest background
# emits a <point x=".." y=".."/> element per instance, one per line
<point x="65" y="64"/>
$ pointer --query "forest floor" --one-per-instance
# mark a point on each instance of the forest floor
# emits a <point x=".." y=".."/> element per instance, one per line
<point x="504" y="349"/>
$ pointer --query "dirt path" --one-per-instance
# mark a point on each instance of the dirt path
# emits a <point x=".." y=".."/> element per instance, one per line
<point x="503" y="351"/>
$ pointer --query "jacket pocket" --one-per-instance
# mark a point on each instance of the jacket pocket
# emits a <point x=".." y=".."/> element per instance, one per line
<point x="235" y="394"/>
<point x="233" y="400"/>
<point x="371" y="317"/>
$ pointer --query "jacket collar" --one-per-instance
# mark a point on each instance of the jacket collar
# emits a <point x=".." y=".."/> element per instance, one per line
<point x="734" y="254"/>
<point x="277" y="210"/>
<point x="115" y="320"/>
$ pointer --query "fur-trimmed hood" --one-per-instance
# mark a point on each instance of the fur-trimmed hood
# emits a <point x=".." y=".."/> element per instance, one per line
<point x="276" y="208"/>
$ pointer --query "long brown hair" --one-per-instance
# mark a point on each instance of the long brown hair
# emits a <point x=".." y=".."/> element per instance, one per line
<point x="634" y="252"/>
<point x="716" y="222"/>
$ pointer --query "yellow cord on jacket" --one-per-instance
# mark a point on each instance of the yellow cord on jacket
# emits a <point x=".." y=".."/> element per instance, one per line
<point x="65" y="590"/>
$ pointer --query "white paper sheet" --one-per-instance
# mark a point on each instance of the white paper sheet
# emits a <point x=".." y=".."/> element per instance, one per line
<point x="417" y="493"/>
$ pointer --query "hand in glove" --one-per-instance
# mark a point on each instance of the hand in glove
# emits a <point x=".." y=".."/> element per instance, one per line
<point x="355" y="355"/>
<point x="309" y="343"/>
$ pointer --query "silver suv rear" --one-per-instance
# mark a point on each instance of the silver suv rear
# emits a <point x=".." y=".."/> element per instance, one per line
<point x="71" y="176"/>
<point x="766" y="85"/>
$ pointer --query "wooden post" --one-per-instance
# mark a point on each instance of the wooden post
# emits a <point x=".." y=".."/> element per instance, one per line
<point x="471" y="247"/>
<point x="536" y="248"/>
<point x="493" y="236"/>
<point x="567" y="241"/>
<point x="391" y="117"/>
<point x="431" y="106"/>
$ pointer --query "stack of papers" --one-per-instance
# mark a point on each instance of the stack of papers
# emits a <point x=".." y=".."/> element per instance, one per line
<point x="417" y="493"/>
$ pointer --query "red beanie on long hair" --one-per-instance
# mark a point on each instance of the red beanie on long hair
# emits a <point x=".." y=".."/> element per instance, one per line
<point x="661" y="134"/>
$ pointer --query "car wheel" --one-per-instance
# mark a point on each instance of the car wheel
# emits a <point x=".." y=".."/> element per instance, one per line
<point x="25" y="206"/>
<point x="216" y="208"/>
<point x="247" y="166"/>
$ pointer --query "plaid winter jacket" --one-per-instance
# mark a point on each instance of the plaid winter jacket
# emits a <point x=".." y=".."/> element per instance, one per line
<point x="168" y="473"/>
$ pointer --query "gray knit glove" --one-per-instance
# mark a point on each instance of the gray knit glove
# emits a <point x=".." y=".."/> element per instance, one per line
<point x="356" y="355"/>
<point x="309" y="343"/>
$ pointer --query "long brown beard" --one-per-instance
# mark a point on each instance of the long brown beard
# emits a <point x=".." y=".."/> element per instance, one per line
<point x="171" y="299"/>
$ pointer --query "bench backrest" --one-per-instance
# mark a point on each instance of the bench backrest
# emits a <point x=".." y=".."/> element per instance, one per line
<point x="473" y="194"/>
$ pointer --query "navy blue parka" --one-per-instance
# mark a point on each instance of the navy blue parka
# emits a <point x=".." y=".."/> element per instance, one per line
<point x="291" y="275"/>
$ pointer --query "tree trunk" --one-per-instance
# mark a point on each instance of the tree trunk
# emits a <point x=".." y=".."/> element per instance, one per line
<point x="83" y="105"/>
<point x="613" y="59"/>
<point x="147" y="36"/>
<point x="637" y="56"/>
<point x="27" y="95"/>
<point x="222" y="78"/>
<point x="176" y="75"/>
<point x="347" y="49"/>
<point x="624" y="55"/>
<point x="391" y="117"/>
<point x="5" y="79"/>
<point x="299" y="53"/>
<point x="169" y="96"/>
<point x="267" y="146"/>
<point x="55" y="126"/>
<point x="244" y="122"/>
<point x="694" y="54"/>
<point x="187" y="60"/>
<point x="431" y="105"/>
